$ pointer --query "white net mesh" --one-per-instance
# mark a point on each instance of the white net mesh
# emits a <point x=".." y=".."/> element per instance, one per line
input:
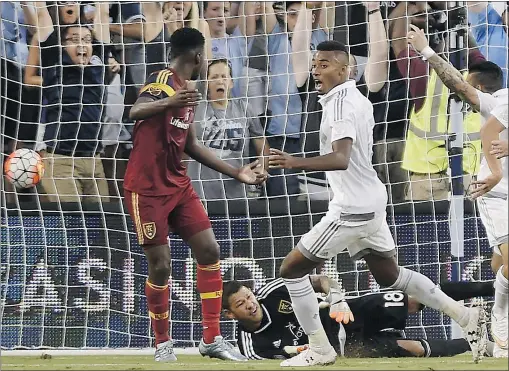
<point x="72" y="273"/>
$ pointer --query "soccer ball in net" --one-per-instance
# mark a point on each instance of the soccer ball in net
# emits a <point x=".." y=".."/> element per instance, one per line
<point x="24" y="168"/>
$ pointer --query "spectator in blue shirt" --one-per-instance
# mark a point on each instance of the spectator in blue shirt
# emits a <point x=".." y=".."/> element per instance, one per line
<point x="490" y="31"/>
<point x="289" y="49"/>
<point x="21" y="105"/>
<point x="127" y="31"/>
<point x="233" y="47"/>
<point x="75" y="78"/>
<point x="161" y="22"/>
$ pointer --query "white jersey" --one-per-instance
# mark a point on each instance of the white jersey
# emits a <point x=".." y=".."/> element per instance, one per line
<point x="348" y="114"/>
<point x="488" y="103"/>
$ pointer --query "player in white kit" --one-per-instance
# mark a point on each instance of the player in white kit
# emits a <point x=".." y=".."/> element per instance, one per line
<point x="491" y="193"/>
<point x="483" y="91"/>
<point x="356" y="219"/>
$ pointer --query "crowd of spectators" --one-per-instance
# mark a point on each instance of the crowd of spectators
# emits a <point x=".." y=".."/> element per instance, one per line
<point x="71" y="71"/>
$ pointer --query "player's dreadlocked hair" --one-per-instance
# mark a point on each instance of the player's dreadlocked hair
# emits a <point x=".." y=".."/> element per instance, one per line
<point x="185" y="40"/>
<point x="332" y="46"/>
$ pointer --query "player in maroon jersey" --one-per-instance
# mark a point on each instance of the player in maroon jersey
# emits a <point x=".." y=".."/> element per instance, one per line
<point x="160" y="197"/>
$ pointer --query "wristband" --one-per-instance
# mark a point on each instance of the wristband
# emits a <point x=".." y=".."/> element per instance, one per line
<point x="373" y="11"/>
<point x="427" y="53"/>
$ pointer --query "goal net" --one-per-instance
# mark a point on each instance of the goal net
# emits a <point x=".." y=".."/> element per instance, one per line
<point x="72" y="272"/>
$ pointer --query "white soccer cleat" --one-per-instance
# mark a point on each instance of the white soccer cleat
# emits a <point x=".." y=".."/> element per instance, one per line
<point x="164" y="352"/>
<point x="499" y="333"/>
<point x="476" y="333"/>
<point x="500" y="352"/>
<point x="309" y="357"/>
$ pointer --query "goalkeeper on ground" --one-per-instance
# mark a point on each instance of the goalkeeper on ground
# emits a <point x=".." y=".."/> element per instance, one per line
<point x="371" y="325"/>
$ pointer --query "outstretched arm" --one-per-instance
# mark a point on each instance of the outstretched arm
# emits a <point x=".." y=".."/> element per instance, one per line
<point x="205" y="156"/>
<point x="337" y="160"/>
<point x="249" y="174"/>
<point x="451" y="77"/>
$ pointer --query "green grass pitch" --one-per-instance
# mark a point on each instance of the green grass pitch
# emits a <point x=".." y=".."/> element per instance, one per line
<point x="191" y="362"/>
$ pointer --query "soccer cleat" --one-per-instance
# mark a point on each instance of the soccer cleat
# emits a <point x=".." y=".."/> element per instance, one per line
<point x="221" y="349"/>
<point x="499" y="333"/>
<point x="164" y="352"/>
<point x="476" y="333"/>
<point x="309" y="357"/>
<point x="500" y="352"/>
<point x="499" y="329"/>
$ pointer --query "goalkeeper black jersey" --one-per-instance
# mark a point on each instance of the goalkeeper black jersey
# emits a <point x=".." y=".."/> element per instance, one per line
<point x="279" y="328"/>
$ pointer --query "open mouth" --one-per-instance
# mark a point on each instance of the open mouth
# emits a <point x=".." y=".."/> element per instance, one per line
<point x="70" y="12"/>
<point x="253" y="312"/>
<point x="82" y="56"/>
<point x="318" y="85"/>
<point x="220" y="90"/>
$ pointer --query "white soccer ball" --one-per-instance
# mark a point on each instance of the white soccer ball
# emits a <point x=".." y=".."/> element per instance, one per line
<point x="24" y="168"/>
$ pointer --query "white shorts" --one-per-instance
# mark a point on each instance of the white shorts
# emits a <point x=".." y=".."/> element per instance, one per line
<point x="333" y="234"/>
<point x="493" y="213"/>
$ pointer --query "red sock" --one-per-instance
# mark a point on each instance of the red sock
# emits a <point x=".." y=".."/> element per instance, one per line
<point x="210" y="287"/>
<point x="158" y="300"/>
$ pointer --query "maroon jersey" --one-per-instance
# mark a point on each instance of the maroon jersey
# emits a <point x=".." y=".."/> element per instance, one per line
<point x="155" y="166"/>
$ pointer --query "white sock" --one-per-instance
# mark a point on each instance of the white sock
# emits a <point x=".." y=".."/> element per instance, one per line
<point x="305" y="307"/>
<point x="501" y="294"/>
<point x="423" y="289"/>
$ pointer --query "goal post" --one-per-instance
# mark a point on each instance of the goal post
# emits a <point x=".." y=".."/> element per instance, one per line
<point x="72" y="274"/>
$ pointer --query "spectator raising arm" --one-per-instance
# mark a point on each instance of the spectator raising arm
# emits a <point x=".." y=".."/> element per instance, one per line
<point x="133" y="29"/>
<point x="44" y="21"/>
<point x="247" y="14"/>
<point x="30" y="77"/>
<point x="269" y="18"/>
<point x="102" y="23"/>
<point x="377" y="67"/>
<point x="326" y="16"/>
<point x="30" y="16"/>
<point x="301" y="41"/>
<point x="451" y="77"/>
<point x="203" y="27"/>
<point x="194" y="17"/>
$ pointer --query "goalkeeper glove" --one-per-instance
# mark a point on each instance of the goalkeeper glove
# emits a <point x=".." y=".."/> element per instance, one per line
<point x="339" y="308"/>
